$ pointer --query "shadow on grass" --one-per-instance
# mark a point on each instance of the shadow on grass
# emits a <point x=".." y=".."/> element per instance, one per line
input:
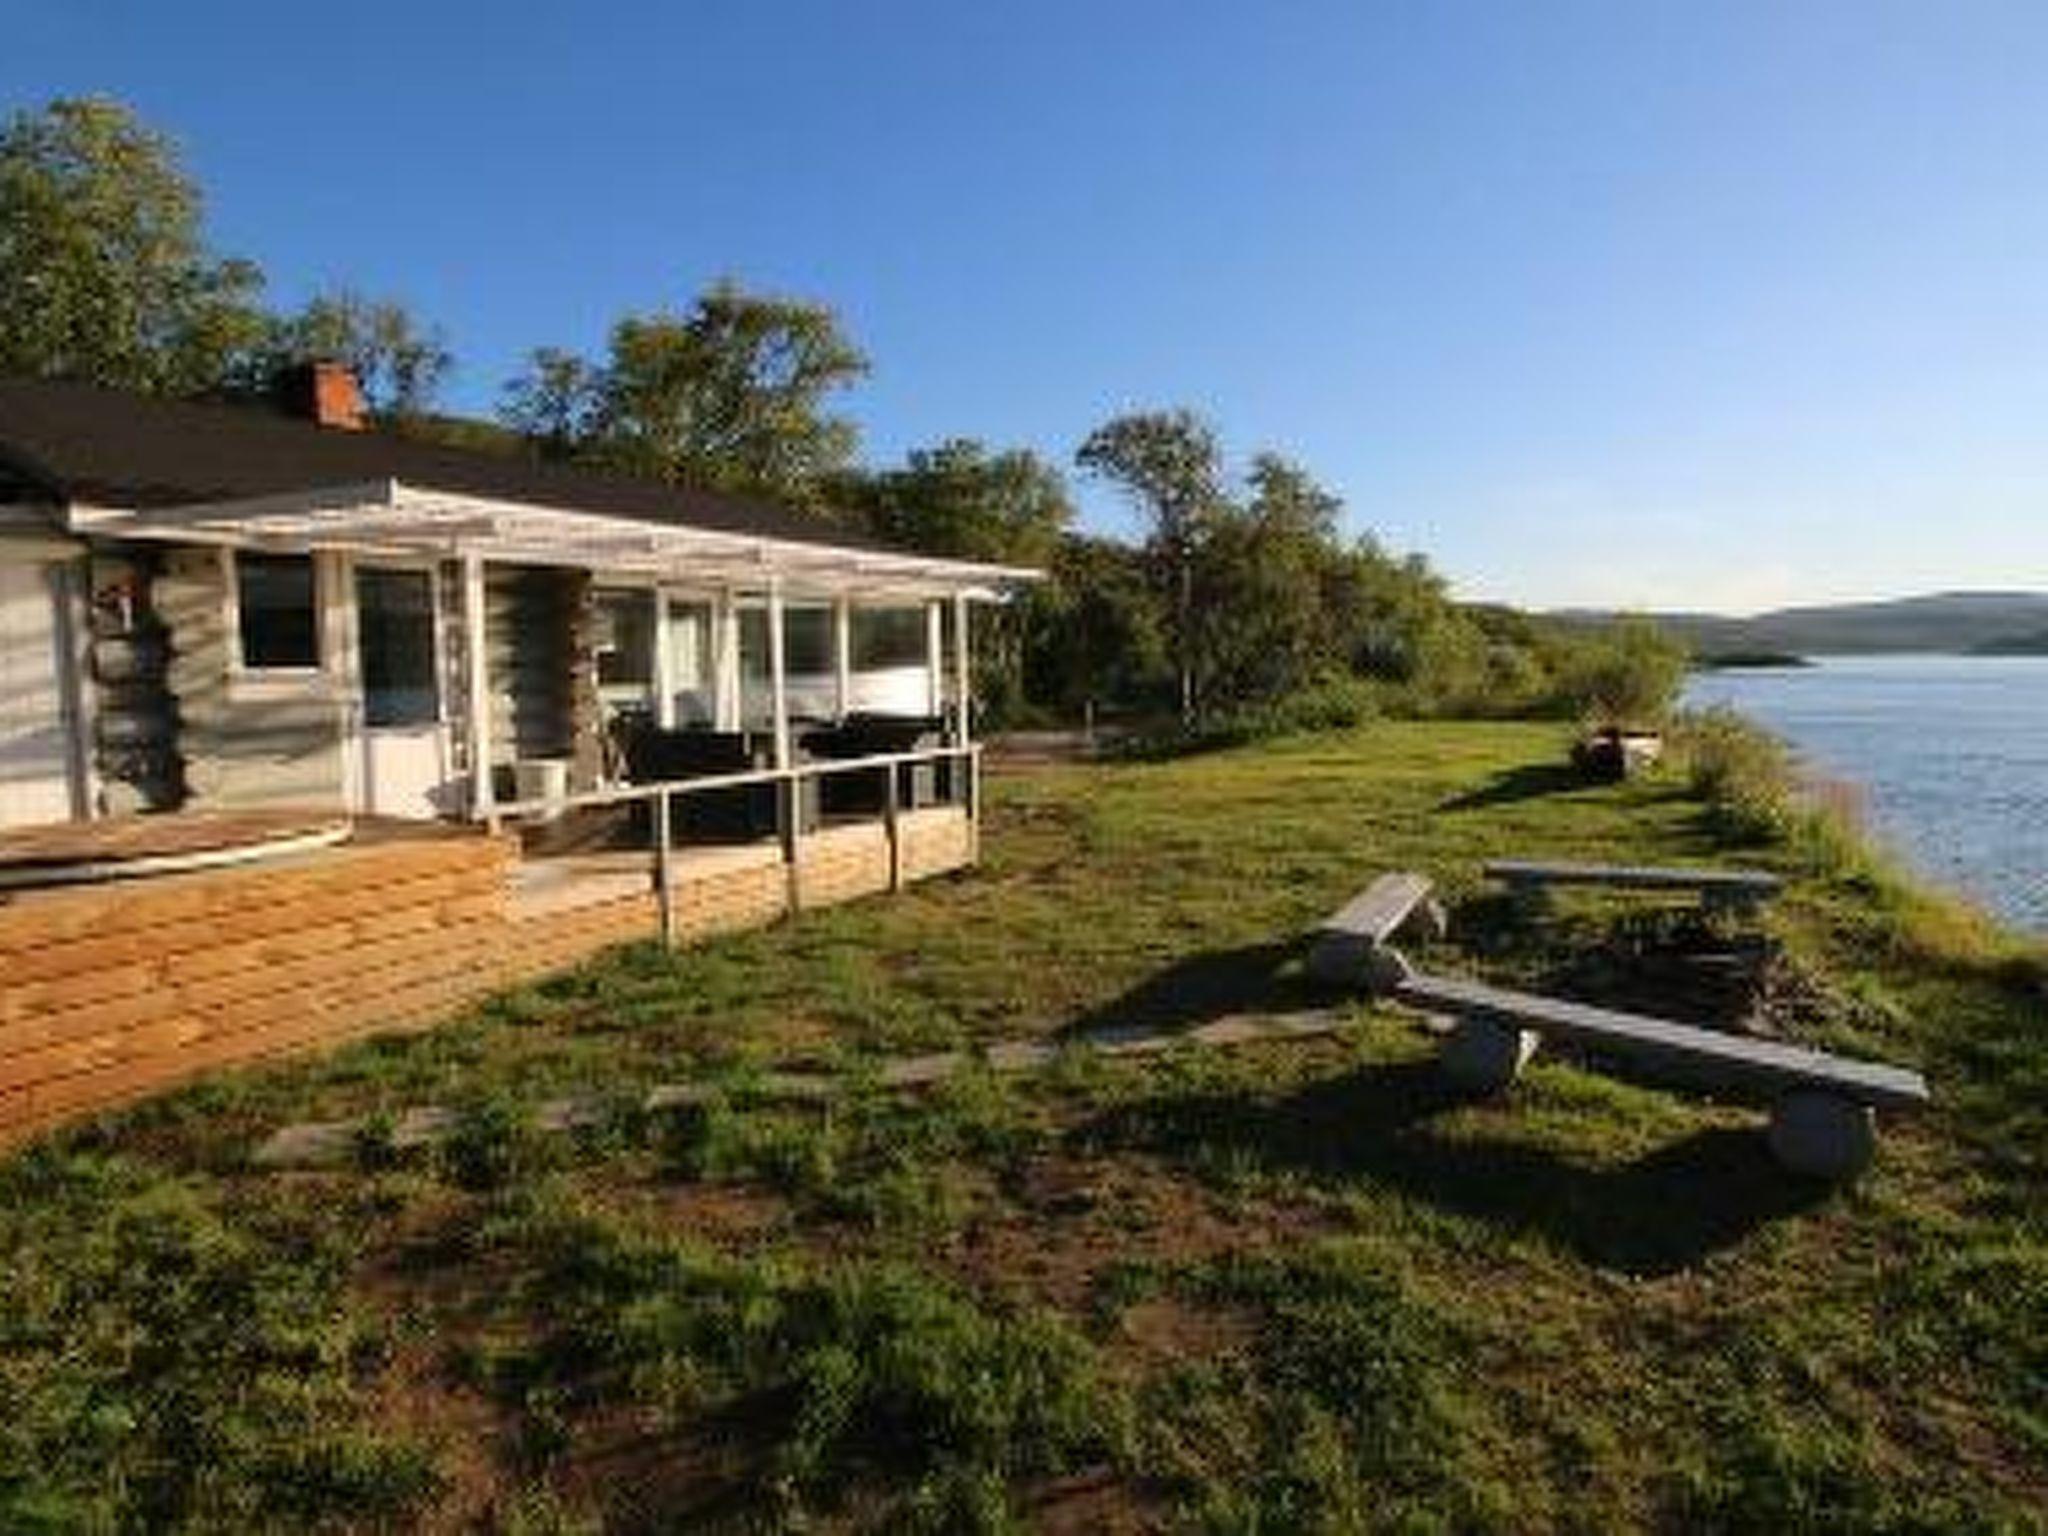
<point x="1661" y="1214"/>
<point x="1255" y="978"/>
<point x="1531" y="781"/>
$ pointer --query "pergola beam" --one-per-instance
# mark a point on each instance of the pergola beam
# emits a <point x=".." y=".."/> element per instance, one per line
<point x="437" y="522"/>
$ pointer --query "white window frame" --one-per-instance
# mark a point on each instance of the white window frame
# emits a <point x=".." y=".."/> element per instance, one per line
<point x="330" y="593"/>
<point x="358" y="684"/>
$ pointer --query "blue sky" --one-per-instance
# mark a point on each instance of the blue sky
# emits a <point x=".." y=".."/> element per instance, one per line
<point x="1636" y="302"/>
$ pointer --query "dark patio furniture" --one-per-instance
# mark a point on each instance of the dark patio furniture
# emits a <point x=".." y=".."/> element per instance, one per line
<point x="740" y="813"/>
<point x="864" y="734"/>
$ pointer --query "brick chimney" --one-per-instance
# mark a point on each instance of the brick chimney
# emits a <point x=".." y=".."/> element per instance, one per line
<point x="326" y="393"/>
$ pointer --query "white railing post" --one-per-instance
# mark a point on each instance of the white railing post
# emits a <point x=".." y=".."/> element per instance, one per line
<point x="664" y="867"/>
<point x="974" y="805"/>
<point x="790" y="797"/>
<point x="934" y="655"/>
<point x="842" y="653"/>
<point x="892" y="818"/>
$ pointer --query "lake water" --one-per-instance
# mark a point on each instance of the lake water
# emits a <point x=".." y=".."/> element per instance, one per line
<point x="1951" y="753"/>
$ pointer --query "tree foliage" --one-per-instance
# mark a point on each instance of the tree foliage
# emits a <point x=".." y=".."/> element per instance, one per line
<point x="1170" y="465"/>
<point x="1097" y="636"/>
<point x="961" y="499"/>
<point x="1625" y="674"/>
<point x="729" y="396"/>
<point x="104" y="272"/>
<point x="964" y="501"/>
<point x="399" y="362"/>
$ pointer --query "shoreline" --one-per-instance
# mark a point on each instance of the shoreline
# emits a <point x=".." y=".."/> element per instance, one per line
<point x="1940" y="760"/>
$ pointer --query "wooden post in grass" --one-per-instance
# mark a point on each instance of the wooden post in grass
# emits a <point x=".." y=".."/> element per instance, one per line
<point x="664" y="869"/>
<point x="892" y="818"/>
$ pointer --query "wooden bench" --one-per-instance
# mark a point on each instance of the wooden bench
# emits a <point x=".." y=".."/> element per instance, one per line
<point x="1350" y="946"/>
<point x="1822" y="1120"/>
<point x="1530" y="882"/>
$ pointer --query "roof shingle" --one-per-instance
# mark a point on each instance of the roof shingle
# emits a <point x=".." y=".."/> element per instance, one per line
<point x="115" y="449"/>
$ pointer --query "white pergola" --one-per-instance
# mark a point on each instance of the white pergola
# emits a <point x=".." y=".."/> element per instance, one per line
<point x="392" y="520"/>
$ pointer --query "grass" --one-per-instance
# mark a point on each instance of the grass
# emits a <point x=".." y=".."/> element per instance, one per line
<point x="1289" y="1287"/>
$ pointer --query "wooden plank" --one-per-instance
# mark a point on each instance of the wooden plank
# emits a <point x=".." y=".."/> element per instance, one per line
<point x="180" y="1016"/>
<point x="319" y="1024"/>
<point x="1748" y="882"/>
<point x="475" y="943"/>
<point x="352" y="935"/>
<point x="35" y="920"/>
<point x="1732" y="1061"/>
<point x="1378" y="911"/>
<point x="99" y="950"/>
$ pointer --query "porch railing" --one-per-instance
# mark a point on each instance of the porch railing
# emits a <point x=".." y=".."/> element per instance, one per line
<point x="661" y="796"/>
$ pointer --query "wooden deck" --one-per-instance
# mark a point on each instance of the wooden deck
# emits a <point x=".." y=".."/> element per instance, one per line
<point x="136" y="847"/>
<point x="111" y="991"/>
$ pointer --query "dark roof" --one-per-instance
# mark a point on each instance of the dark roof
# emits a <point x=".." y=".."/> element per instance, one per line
<point x="111" y="448"/>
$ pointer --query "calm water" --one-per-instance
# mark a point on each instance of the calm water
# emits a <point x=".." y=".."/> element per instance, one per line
<point x="1951" y="753"/>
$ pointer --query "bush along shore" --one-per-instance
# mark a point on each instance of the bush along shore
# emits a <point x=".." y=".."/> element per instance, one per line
<point x="1285" y="1286"/>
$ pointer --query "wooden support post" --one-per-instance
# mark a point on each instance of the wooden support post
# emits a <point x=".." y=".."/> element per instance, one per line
<point x="972" y="766"/>
<point x="664" y="867"/>
<point x="963" y="689"/>
<point x="791" y="798"/>
<point x="842" y="653"/>
<point x="892" y="818"/>
<point x="476" y="664"/>
<point x="664" y="664"/>
<point x="778" y="678"/>
<point x="934" y="653"/>
<point x="725" y="644"/>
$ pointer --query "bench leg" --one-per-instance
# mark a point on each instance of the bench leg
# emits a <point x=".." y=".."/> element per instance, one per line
<point x="1822" y="1135"/>
<point x="1484" y="1055"/>
<point x="1345" y="960"/>
<point x="1428" y="922"/>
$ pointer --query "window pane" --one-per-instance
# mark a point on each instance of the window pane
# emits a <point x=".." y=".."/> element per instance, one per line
<point x="757" y="699"/>
<point x="806" y="640"/>
<point x="279" y="625"/>
<point x="690" y="662"/>
<point x="624" y="641"/>
<point x="888" y="637"/>
<point x="395" y="618"/>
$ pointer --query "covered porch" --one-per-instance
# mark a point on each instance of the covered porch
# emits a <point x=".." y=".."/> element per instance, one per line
<point x="639" y="701"/>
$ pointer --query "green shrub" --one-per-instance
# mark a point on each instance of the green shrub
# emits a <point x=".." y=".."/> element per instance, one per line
<point x="1743" y="773"/>
<point x="1627" y="674"/>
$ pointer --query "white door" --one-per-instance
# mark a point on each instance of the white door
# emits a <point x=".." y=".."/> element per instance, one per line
<point x="35" y="751"/>
<point x="404" y="735"/>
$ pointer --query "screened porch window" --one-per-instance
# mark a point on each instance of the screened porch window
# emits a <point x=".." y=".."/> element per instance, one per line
<point x="279" y="622"/>
<point x="888" y="637"/>
<point x="624" y="641"/>
<point x="690" y="666"/>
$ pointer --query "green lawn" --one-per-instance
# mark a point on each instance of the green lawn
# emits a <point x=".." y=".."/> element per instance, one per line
<point x="1285" y="1287"/>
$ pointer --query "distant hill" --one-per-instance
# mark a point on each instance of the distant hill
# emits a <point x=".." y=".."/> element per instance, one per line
<point x="2035" y="644"/>
<point x="1944" y="621"/>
